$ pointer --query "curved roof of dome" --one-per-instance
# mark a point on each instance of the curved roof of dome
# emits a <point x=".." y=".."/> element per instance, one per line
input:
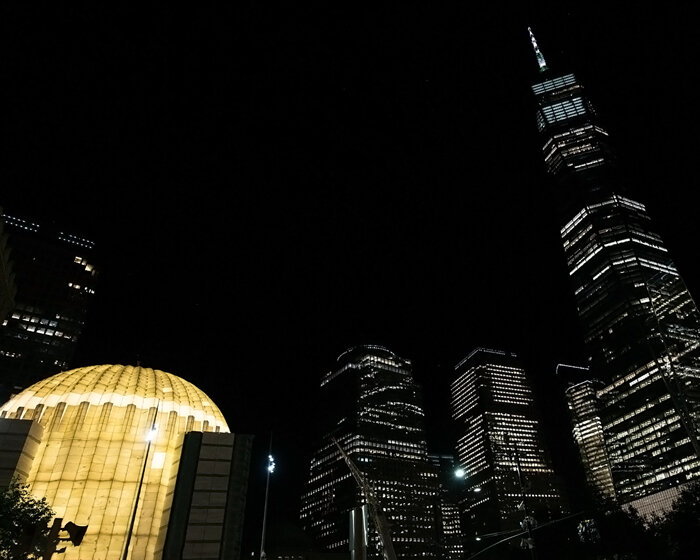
<point x="122" y="386"/>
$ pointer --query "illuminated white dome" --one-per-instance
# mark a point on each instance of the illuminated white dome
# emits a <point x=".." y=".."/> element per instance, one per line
<point x="110" y="433"/>
<point x="121" y="386"/>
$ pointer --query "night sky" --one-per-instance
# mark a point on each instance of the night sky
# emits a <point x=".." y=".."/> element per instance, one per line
<point x="267" y="186"/>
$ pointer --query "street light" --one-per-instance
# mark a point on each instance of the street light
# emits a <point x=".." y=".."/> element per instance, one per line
<point x="466" y="500"/>
<point x="461" y="473"/>
<point x="150" y="436"/>
<point x="270" y="470"/>
<point x="152" y="433"/>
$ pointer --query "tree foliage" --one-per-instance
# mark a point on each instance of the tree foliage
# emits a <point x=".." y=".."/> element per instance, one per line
<point x="24" y="523"/>
<point x="625" y="534"/>
<point x="679" y="529"/>
<point x="673" y="536"/>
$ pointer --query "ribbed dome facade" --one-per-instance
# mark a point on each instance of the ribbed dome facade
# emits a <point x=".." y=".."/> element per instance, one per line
<point x="121" y="386"/>
<point x="111" y="445"/>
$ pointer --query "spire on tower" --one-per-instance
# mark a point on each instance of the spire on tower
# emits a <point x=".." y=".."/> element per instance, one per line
<point x="540" y="58"/>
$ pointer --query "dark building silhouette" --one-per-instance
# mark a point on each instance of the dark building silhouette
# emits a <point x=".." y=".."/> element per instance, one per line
<point x="371" y="406"/>
<point x="55" y="278"/>
<point x="206" y="519"/>
<point x="500" y="446"/>
<point x="641" y="327"/>
<point x="8" y="289"/>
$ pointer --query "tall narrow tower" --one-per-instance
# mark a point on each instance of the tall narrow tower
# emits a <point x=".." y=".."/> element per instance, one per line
<point x="500" y="445"/>
<point x="372" y="408"/>
<point x="641" y="327"/>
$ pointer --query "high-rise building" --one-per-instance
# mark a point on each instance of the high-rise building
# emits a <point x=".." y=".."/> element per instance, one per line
<point x="55" y="277"/>
<point x="587" y="428"/>
<point x="588" y="434"/>
<point x="448" y="526"/>
<point x="372" y="407"/>
<point x="500" y="447"/>
<point x="641" y="327"/>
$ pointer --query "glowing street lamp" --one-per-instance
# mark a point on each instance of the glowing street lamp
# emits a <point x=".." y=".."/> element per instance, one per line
<point x="150" y="436"/>
<point x="461" y="473"/>
<point x="152" y="433"/>
<point x="270" y="470"/>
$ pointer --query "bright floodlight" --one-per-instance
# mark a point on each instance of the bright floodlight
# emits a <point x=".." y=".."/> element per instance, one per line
<point x="460" y="473"/>
<point x="270" y="464"/>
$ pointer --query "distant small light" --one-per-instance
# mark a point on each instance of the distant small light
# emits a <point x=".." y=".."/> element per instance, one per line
<point x="270" y="464"/>
<point x="478" y="538"/>
<point x="477" y="489"/>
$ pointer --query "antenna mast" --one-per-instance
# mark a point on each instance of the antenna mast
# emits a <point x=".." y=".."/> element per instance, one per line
<point x="540" y="57"/>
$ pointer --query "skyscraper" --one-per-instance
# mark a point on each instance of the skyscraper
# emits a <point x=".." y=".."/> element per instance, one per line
<point x="448" y="526"/>
<point x="508" y="473"/>
<point x="371" y="406"/>
<point x="55" y="277"/>
<point x="588" y="434"/>
<point x="641" y="327"/>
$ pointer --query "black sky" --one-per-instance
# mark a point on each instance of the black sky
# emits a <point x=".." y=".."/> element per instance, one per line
<point x="268" y="185"/>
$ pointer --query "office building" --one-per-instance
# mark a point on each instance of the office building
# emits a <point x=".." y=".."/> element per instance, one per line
<point x="641" y="327"/>
<point x="500" y="447"/>
<point x="55" y="278"/>
<point x="587" y="429"/>
<point x="371" y="406"/>
<point x="140" y="458"/>
<point x="448" y="526"/>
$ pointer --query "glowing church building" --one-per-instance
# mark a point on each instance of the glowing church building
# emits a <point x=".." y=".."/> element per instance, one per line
<point x="141" y="457"/>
